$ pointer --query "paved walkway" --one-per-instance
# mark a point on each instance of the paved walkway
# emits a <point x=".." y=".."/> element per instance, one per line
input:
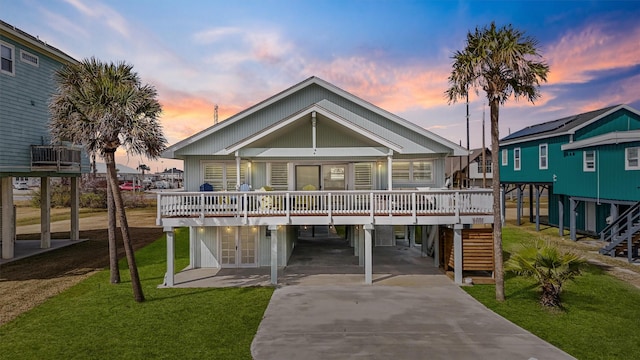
<point x="426" y="317"/>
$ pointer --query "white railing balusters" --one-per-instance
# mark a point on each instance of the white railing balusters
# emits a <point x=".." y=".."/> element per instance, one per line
<point x="319" y="203"/>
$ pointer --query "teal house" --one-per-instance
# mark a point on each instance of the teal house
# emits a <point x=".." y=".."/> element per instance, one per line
<point x="26" y="84"/>
<point x="590" y="165"/>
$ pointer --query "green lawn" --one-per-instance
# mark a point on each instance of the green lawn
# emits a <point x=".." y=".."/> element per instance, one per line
<point x="96" y="320"/>
<point x="601" y="314"/>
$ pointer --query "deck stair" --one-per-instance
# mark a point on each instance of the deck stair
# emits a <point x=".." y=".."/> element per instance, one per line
<point x="623" y="234"/>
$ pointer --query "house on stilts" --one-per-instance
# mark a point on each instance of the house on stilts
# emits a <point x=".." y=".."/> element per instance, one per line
<point x="590" y="165"/>
<point x="316" y="155"/>
<point x="26" y="151"/>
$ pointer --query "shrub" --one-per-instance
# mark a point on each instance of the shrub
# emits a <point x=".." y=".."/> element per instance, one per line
<point x="548" y="265"/>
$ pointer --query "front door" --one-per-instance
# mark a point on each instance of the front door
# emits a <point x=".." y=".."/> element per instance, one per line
<point x="238" y="246"/>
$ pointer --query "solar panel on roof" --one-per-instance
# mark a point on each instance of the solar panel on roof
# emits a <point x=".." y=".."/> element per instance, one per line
<point x="557" y="124"/>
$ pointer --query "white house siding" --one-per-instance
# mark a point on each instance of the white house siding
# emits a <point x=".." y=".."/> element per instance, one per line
<point x="205" y="246"/>
<point x="286" y="242"/>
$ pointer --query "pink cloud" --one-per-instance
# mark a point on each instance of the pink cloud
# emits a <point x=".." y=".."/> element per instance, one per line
<point x="577" y="54"/>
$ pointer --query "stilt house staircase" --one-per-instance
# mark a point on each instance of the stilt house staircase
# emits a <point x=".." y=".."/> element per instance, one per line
<point x="623" y="234"/>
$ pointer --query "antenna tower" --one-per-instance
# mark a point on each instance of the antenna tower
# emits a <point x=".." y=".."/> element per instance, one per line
<point x="215" y="114"/>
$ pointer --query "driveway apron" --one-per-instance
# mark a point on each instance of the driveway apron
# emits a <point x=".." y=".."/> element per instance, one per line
<point x="426" y="317"/>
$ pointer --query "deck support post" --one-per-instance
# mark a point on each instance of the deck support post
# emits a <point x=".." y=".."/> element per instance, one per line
<point x="368" y="256"/>
<point x="537" y="208"/>
<point x="75" y="207"/>
<point x="390" y="170"/>
<point x="503" y="195"/>
<point x="436" y="246"/>
<point x="572" y="218"/>
<point x="519" y="205"/>
<point x="361" y="246"/>
<point x="531" y="202"/>
<point x="45" y="213"/>
<point x="274" y="254"/>
<point x="169" y="278"/>
<point x="457" y="253"/>
<point x="613" y="213"/>
<point x="561" y="215"/>
<point x="8" y="230"/>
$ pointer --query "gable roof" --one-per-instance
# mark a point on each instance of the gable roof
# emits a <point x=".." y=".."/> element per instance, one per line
<point x="331" y="111"/>
<point x="564" y="126"/>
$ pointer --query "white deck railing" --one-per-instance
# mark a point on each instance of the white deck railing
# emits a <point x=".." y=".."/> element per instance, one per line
<point x="324" y="203"/>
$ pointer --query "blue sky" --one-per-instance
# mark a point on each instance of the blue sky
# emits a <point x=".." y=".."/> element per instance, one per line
<point x="395" y="54"/>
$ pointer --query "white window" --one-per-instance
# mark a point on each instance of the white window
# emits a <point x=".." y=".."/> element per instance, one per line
<point x="516" y="159"/>
<point x="487" y="166"/>
<point x="589" y="160"/>
<point x="632" y="158"/>
<point x="412" y="171"/>
<point x="29" y="58"/>
<point x="543" y="151"/>
<point x="222" y="176"/>
<point x="505" y="157"/>
<point x="7" y="63"/>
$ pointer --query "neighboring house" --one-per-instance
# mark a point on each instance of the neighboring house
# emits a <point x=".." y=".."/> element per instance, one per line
<point x="26" y="84"/>
<point x="477" y="173"/>
<point x="589" y="162"/>
<point x="330" y="158"/>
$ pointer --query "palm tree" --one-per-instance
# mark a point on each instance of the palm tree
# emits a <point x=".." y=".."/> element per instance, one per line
<point x="550" y="267"/>
<point x="102" y="107"/>
<point x="502" y="62"/>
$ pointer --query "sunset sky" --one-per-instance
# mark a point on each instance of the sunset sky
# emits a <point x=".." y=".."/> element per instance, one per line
<point x="394" y="54"/>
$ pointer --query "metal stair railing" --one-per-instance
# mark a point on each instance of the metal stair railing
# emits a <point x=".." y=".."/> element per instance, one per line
<point x="622" y="229"/>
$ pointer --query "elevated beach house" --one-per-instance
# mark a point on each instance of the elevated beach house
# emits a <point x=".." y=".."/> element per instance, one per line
<point x="311" y="155"/>
<point x="26" y="84"/>
<point x="590" y="164"/>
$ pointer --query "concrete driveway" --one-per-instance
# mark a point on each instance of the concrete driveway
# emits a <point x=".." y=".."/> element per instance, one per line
<point x="398" y="317"/>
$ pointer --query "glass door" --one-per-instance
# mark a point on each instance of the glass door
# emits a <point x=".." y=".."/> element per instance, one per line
<point x="334" y="177"/>
<point x="307" y="176"/>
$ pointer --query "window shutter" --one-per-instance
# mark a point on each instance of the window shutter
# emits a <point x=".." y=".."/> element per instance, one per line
<point x="279" y="176"/>
<point x="214" y="175"/>
<point x="422" y="171"/>
<point x="364" y="176"/>
<point x="400" y="172"/>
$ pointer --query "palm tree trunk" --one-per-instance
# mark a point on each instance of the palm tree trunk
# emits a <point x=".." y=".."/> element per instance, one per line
<point x="124" y="226"/>
<point x="113" y="245"/>
<point x="497" y="223"/>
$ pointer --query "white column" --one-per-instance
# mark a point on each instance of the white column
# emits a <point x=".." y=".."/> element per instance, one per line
<point x="390" y="170"/>
<point x="237" y="171"/>
<point x="170" y="276"/>
<point x="368" y="254"/>
<point x="313" y="131"/>
<point x="45" y="213"/>
<point x="457" y="253"/>
<point x="8" y="230"/>
<point x="274" y="254"/>
<point x="361" y="246"/>
<point x="75" y="209"/>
